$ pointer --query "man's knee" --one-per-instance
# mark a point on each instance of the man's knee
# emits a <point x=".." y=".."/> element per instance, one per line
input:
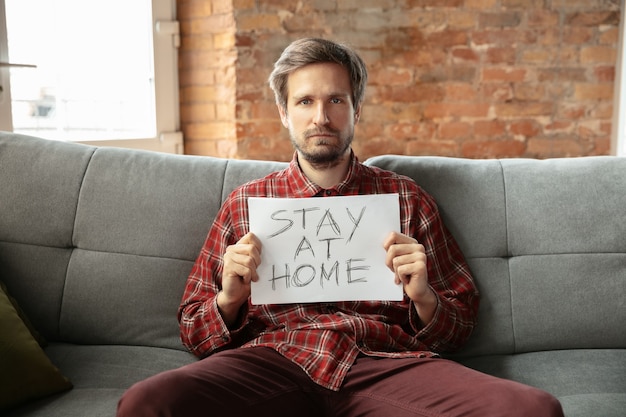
<point x="530" y="401"/>
<point x="149" y="398"/>
<point x="547" y="405"/>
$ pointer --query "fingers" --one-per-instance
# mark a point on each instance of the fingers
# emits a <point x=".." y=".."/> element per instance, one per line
<point x="407" y="259"/>
<point x="250" y="238"/>
<point x="397" y="238"/>
<point x="401" y="250"/>
<point x="409" y="265"/>
<point x="243" y="258"/>
<point x="240" y="266"/>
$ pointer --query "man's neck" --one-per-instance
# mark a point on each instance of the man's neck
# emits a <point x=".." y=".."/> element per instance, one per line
<point x="326" y="175"/>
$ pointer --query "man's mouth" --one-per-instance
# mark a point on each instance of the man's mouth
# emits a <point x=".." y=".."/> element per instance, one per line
<point x="324" y="134"/>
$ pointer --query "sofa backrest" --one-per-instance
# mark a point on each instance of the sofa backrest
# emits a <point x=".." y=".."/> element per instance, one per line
<point x="96" y="243"/>
<point x="545" y="240"/>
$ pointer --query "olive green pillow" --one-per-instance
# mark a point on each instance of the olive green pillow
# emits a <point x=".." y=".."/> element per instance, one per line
<point x="27" y="373"/>
<point x="38" y="337"/>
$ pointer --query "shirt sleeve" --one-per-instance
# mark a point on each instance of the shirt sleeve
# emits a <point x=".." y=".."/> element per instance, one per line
<point x="450" y="278"/>
<point x="202" y="328"/>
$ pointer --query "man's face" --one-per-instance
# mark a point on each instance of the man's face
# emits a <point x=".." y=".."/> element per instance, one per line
<point x="320" y="114"/>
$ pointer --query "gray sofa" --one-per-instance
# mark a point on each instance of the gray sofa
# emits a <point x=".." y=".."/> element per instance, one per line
<point x="96" y="245"/>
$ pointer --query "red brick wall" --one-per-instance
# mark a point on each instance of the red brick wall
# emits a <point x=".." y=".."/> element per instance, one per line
<point x="465" y="78"/>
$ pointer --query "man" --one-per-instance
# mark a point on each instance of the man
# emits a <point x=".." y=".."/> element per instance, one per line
<point x="374" y="358"/>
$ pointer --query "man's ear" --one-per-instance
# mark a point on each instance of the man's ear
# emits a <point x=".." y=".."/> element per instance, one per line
<point x="283" y="115"/>
<point x="357" y="114"/>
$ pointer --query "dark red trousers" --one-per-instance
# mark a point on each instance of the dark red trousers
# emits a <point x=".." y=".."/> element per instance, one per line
<point x="259" y="382"/>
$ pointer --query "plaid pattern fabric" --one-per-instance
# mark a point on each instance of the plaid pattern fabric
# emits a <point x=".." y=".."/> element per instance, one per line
<point x="324" y="339"/>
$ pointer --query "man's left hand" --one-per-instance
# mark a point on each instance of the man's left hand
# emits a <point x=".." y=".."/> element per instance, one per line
<point x="406" y="257"/>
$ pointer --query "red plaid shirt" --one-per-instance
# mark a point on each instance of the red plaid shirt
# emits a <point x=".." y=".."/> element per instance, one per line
<point x="324" y="339"/>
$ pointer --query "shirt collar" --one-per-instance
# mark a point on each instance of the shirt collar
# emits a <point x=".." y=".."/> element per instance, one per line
<point x="303" y="187"/>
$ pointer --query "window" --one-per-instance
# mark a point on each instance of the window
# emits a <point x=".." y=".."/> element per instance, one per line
<point x="101" y="72"/>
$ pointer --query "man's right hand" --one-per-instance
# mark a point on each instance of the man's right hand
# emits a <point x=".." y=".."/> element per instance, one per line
<point x="240" y="269"/>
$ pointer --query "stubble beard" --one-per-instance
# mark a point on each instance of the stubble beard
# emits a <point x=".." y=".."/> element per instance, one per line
<point x="329" y="155"/>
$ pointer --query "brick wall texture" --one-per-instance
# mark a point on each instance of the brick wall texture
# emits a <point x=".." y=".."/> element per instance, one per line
<point x="462" y="78"/>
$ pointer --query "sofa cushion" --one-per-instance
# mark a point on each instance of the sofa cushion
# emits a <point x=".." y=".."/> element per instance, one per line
<point x="585" y="405"/>
<point x="36" y="276"/>
<point x="101" y="374"/>
<point x="579" y="378"/>
<point x="27" y="372"/>
<point x="43" y="179"/>
<point x="104" y="301"/>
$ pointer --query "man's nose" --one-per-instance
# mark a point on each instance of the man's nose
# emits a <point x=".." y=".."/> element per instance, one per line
<point x="321" y="117"/>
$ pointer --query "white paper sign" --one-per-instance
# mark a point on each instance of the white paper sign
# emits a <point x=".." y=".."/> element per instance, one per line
<point x="324" y="249"/>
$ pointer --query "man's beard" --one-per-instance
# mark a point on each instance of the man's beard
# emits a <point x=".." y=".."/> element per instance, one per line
<point x="330" y="155"/>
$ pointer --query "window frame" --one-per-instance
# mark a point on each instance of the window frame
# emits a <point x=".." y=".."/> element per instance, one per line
<point x="165" y="41"/>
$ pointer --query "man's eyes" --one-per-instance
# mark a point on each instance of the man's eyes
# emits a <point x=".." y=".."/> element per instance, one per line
<point x="334" y="100"/>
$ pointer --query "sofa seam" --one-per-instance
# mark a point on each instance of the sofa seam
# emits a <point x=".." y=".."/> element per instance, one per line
<point x="72" y="242"/>
<point x="134" y="254"/>
<point x="222" y="196"/>
<point x="537" y="254"/>
<point x="80" y="191"/>
<point x="508" y="252"/>
<point x="12" y="242"/>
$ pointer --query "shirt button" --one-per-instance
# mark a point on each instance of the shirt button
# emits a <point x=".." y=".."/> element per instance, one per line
<point x="329" y="192"/>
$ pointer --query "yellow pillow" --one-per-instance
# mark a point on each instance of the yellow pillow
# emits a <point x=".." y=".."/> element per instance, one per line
<point x="26" y="372"/>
